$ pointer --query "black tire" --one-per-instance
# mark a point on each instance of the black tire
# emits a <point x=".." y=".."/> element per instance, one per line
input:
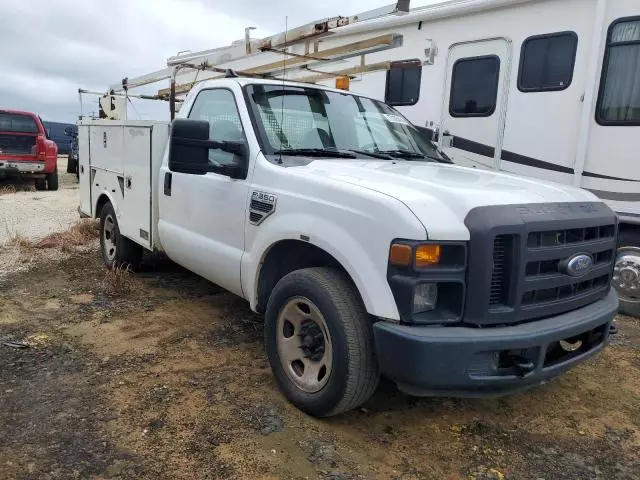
<point x="72" y="165"/>
<point x="629" y="238"/>
<point x="354" y="373"/>
<point x="52" y="181"/>
<point x="41" y="184"/>
<point x="122" y="252"/>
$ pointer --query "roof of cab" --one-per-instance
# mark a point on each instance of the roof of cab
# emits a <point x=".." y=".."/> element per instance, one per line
<point x="273" y="81"/>
<point x="17" y="112"/>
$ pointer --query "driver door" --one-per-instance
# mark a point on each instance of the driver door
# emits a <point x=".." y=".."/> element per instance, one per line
<point x="202" y="222"/>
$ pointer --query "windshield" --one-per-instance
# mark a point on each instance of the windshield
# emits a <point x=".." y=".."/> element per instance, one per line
<point x="304" y="119"/>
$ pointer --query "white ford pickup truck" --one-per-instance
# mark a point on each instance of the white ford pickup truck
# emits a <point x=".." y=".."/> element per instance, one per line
<point x="367" y="253"/>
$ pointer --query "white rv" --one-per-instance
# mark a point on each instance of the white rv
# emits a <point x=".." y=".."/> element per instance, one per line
<point x="541" y="88"/>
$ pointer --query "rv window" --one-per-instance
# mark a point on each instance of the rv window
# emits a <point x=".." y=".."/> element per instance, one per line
<point x="403" y="83"/>
<point x="474" y="86"/>
<point x="619" y="98"/>
<point x="546" y="62"/>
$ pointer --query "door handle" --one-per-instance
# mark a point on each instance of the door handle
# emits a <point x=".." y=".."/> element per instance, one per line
<point x="167" y="184"/>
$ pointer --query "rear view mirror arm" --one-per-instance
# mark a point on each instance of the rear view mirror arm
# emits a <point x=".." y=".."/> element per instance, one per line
<point x="225" y="145"/>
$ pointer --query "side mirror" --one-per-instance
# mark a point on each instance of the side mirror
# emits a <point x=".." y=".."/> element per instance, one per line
<point x="189" y="147"/>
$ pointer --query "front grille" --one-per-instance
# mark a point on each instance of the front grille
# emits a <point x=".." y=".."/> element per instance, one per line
<point x="518" y="260"/>
<point x="551" y="238"/>
<point x="541" y="283"/>
<point x="564" y="292"/>
<point x="497" y="293"/>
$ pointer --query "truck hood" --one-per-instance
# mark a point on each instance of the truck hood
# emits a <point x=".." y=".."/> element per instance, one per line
<point x="441" y="196"/>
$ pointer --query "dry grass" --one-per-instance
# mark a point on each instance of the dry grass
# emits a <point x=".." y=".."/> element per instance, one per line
<point x="19" y="241"/>
<point x="80" y="233"/>
<point x="21" y="187"/>
<point x="120" y="281"/>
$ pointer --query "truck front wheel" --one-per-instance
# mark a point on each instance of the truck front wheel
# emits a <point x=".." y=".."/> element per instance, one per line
<point x="116" y="249"/>
<point x="319" y="341"/>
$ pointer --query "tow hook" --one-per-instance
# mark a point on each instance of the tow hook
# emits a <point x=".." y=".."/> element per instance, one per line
<point x="522" y="365"/>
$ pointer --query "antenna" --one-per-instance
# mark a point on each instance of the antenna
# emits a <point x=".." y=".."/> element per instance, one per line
<point x="284" y="68"/>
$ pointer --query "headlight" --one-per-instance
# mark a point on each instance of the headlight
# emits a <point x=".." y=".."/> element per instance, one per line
<point x="427" y="279"/>
<point x="425" y="297"/>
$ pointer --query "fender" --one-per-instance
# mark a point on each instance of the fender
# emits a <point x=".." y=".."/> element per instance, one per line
<point x="109" y="195"/>
<point x="367" y="267"/>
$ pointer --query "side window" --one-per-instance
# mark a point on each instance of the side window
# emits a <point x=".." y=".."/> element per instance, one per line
<point x="547" y="61"/>
<point x="619" y="98"/>
<point x="403" y="83"/>
<point x="474" y="86"/>
<point x="218" y="107"/>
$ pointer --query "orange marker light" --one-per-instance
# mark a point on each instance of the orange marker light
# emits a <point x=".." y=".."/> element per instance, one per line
<point x="342" y="83"/>
<point x="427" y="255"/>
<point x="400" y="255"/>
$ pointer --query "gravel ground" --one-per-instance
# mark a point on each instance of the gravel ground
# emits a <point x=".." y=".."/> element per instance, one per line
<point x="33" y="214"/>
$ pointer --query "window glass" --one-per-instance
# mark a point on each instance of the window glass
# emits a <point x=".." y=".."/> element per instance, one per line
<point x="403" y="83"/>
<point x="15" y="122"/>
<point x="547" y="61"/>
<point x="619" y="99"/>
<point x="219" y="108"/>
<point x="474" y="87"/>
<point x="291" y="117"/>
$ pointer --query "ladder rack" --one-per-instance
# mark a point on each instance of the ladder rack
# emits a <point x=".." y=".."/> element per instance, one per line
<point x="300" y="48"/>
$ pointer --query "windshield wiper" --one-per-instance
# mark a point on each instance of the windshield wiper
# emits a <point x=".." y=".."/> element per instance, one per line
<point x="315" y="152"/>
<point x="406" y="154"/>
<point x="381" y="155"/>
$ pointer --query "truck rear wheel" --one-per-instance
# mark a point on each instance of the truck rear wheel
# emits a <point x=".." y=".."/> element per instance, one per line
<point x="52" y="180"/>
<point x="41" y="184"/>
<point x="626" y="274"/>
<point x="319" y="342"/>
<point x="116" y="249"/>
<point x="71" y="164"/>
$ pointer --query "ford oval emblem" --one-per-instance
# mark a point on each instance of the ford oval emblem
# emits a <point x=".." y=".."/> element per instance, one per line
<point x="579" y="265"/>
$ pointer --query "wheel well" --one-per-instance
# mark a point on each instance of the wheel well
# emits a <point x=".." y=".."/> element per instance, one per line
<point x="630" y="232"/>
<point x="286" y="256"/>
<point x="101" y="202"/>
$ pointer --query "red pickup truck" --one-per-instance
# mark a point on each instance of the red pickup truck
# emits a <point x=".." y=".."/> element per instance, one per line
<point x="25" y="150"/>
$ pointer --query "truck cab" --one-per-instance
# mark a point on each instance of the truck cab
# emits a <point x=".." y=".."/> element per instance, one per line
<point x="367" y="253"/>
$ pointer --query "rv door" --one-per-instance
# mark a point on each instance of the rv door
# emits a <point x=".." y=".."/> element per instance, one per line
<point x="473" y="110"/>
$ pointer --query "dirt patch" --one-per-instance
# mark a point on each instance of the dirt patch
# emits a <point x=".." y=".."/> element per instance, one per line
<point x="169" y="380"/>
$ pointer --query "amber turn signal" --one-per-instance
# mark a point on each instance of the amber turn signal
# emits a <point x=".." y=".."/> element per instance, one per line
<point x="342" y="83"/>
<point x="400" y="255"/>
<point x="427" y="255"/>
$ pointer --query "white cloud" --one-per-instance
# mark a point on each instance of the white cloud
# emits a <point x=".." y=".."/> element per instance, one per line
<point x="50" y="48"/>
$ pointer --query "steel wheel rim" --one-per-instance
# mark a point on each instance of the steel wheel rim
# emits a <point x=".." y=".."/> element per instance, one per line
<point x="305" y="357"/>
<point x="108" y="237"/>
<point x="626" y="274"/>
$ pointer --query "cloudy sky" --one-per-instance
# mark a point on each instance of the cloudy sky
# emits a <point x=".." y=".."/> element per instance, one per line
<point x="50" y="48"/>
